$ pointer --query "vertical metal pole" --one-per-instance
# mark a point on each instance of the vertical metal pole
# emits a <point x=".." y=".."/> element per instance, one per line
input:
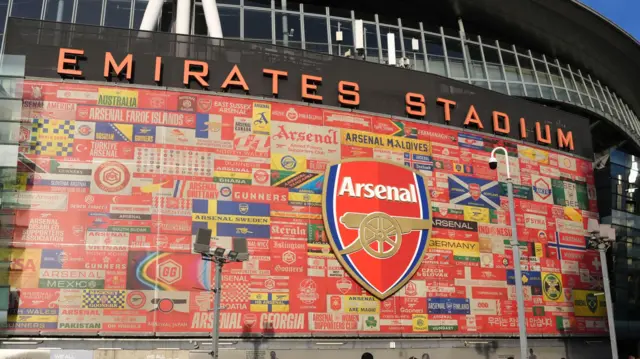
<point x="212" y="18"/>
<point x="340" y="42"/>
<point x="217" y="292"/>
<point x="607" y="295"/>
<point x="285" y="24"/>
<point x="60" y="11"/>
<point x="522" y="325"/>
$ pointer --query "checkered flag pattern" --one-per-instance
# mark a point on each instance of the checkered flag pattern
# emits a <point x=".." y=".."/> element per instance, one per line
<point x="235" y="292"/>
<point x="52" y="137"/>
<point x="114" y="299"/>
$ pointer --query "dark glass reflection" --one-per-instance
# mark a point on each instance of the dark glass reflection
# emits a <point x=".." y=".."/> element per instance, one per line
<point x="257" y="25"/>
<point x="118" y="13"/>
<point x="59" y="10"/>
<point x="89" y="12"/>
<point x="28" y="9"/>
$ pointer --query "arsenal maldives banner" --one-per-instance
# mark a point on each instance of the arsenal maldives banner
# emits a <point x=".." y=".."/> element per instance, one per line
<point x="113" y="183"/>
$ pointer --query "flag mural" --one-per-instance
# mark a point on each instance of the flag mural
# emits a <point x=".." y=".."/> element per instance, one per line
<point x="111" y="191"/>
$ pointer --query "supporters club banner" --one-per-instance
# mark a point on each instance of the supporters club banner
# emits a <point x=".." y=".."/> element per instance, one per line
<point x="116" y="182"/>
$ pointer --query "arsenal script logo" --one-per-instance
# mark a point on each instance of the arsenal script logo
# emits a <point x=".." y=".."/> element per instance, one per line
<point x="378" y="217"/>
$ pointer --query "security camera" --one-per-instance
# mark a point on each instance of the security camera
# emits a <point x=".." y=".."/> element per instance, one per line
<point x="493" y="163"/>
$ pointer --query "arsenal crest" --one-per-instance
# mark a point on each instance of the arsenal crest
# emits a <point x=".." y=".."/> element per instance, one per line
<point x="378" y="217"/>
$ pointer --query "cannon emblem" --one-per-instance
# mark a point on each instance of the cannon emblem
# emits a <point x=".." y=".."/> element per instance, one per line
<point x="380" y="234"/>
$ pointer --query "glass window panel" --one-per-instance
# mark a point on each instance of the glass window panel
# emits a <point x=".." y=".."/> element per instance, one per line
<point x="555" y="76"/>
<point x="289" y="36"/>
<point x="28" y="9"/>
<point x="9" y="132"/>
<point x="533" y="91"/>
<point x="9" y="156"/>
<point x="230" y="21"/>
<point x="10" y="110"/>
<point x="581" y="88"/>
<point x="543" y="76"/>
<point x="117" y="14"/>
<point x="457" y="69"/>
<point x="315" y="33"/>
<point x="477" y="70"/>
<point x="435" y="54"/>
<point x="516" y="89"/>
<point x="436" y="65"/>
<point x="371" y="42"/>
<point x="483" y="84"/>
<point x="568" y="80"/>
<point x="138" y="12"/>
<point x="528" y="75"/>
<point x="547" y="92"/>
<point x="512" y="73"/>
<point x="89" y="12"/>
<point x="499" y="86"/>
<point x="59" y="10"/>
<point x="166" y="17"/>
<point x="562" y="94"/>
<point x="574" y="97"/>
<point x="4" y="6"/>
<point x="493" y="63"/>
<point x="257" y="25"/>
<point x="415" y="56"/>
<point x="476" y="67"/>
<point x="345" y="26"/>
<point x="232" y="2"/>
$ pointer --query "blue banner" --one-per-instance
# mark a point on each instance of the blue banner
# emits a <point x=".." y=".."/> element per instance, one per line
<point x="448" y="306"/>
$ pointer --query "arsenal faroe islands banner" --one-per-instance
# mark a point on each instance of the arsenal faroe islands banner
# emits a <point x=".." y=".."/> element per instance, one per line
<point x="413" y="238"/>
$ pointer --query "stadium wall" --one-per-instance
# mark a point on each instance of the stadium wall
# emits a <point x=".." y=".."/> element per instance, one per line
<point x="142" y="168"/>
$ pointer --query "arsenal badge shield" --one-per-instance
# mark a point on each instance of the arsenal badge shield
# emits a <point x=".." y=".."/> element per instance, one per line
<point x="378" y="217"/>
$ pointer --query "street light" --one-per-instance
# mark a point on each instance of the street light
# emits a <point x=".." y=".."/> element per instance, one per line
<point x="220" y="256"/>
<point x="600" y="238"/>
<point x="515" y="246"/>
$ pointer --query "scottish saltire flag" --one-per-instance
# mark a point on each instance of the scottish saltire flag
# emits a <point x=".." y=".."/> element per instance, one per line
<point x="477" y="192"/>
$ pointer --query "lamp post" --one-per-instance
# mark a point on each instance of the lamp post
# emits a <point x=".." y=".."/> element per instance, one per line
<point x="220" y="256"/>
<point x="515" y="246"/>
<point x="600" y="238"/>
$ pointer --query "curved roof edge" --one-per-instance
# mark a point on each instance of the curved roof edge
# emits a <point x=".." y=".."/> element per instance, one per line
<point x="604" y="18"/>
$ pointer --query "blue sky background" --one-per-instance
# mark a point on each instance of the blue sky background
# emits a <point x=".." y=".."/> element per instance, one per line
<point x="625" y="13"/>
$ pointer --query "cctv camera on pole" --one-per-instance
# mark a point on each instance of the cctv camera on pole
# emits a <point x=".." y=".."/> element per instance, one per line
<point x="220" y="256"/>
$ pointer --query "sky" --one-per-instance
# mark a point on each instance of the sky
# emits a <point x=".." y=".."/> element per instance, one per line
<point x="624" y="13"/>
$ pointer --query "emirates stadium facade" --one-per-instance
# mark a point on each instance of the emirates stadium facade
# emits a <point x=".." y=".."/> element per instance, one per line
<point x="129" y="125"/>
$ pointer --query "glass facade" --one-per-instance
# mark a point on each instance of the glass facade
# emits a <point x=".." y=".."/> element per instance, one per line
<point x="486" y="63"/>
<point x="618" y="197"/>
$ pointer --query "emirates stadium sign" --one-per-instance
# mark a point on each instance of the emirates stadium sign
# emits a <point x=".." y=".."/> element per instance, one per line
<point x="378" y="217"/>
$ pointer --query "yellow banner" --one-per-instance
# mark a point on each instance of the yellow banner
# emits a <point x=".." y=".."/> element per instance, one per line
<point x="459" y="248"/>
<point x="573" y="214"/>
<point x="261" y="118"/>
<point x="117" y="97"/>
<point x="587" y="303"/>
<point x="231" y="219"/>
<point x="420" y="323"/>
<point x="476" y="214"/>
<point x="236" y="175"/>
<point x="372" y="140"/>
<point x="32" y="318"/>
<point x="534" y="154"/>
<point x="539" y="249"/>
<point x="361" y="304"/>
<point x="552" y="287"/>
<point x="290" y="163"/>
<point x="269" y="302"/>
<point x="305" y="199"/>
